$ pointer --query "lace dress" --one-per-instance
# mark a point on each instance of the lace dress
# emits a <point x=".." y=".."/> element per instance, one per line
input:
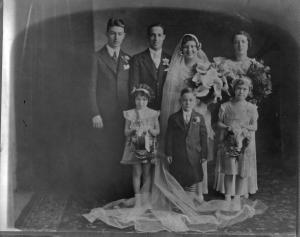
<point x="147" y="119"/>
<point x="229" y="115"/>
<point x="234" y="68"/>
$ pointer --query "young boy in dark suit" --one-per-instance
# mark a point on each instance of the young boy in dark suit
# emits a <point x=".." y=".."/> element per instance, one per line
<point x="186" y="144"/>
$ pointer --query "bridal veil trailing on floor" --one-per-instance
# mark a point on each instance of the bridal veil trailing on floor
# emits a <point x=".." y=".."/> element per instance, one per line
<point x="170" y="208"/>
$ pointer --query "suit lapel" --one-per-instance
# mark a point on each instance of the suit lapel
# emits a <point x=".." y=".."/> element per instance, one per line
<point x="150" y="64"/>
<point x="190" y="125"/>
<point x="111" y="64"/>
<point x="120" y="61"/>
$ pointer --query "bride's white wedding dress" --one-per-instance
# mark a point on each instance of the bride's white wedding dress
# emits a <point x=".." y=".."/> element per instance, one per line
<point x="169" y="207"/>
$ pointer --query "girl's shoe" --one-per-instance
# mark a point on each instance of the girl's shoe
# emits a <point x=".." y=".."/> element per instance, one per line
<point x="226" y="205"/>
<point x="138" y="200"/>
<point x="145" y="200"/>
<point x="236" y="204"/>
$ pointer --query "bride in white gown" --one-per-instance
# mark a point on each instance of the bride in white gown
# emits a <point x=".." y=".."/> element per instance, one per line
<point x="169" y="207"/>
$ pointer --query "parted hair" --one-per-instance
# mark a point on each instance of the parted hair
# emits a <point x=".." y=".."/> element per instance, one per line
<point x="244" y="33"/>
<point x="115" y="22"/>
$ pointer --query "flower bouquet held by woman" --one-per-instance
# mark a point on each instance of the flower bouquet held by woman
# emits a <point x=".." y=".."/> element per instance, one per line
<point x="171" y="208"/>
<point x="242" y="65"/>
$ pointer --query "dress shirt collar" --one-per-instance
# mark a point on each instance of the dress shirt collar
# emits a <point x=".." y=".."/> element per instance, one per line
<point x="111" y="51"/>
<point x="155" y="53"/>
<point x="187" y="114"/>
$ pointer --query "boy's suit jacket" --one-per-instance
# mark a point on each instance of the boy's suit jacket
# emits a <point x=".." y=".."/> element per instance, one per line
<point x="109" y="84"/>
<point x="187" y="143"/>
<point x="143" y="70"/>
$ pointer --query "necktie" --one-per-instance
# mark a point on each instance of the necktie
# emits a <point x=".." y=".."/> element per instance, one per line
<point x="187" y="119"/>
<point x="115" y="58"/>
<point x="156" y="59"/>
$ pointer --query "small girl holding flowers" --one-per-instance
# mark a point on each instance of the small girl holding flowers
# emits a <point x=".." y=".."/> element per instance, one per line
<point x="141" y="129"/>
<point x="238" y="123"/>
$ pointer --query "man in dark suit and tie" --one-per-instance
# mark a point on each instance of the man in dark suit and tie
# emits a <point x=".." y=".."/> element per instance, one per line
<point x="150" y="66"/>
<point x="108" y="93"/>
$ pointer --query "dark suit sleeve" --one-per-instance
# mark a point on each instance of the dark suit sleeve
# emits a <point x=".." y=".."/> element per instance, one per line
<point x="169" y="138"/>
<point x="134" y="77"/>
<point x="92" y="87"/>
<point x="203" y="138"/>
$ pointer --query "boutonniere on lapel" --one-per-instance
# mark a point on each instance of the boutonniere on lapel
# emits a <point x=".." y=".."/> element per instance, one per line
<point x="166" y="63"/>
<point x="196" y="119"/>
<point x="125" y="60"/>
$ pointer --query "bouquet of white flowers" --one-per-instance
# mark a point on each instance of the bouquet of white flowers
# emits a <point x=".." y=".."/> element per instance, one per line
<point x="205" y="79"/>
<point x="258" y="73"/>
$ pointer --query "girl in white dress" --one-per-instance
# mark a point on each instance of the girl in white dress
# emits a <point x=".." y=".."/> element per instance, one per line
<point x="141" y="129"/>
<point x="237" y="153"/>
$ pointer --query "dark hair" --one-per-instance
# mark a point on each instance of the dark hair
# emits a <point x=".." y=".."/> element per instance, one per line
<point x="141" y="93"/>
<point x="143" y="90"/>
<point x="188" y="38"/>
<point x="186" y="91"/>
<point x="115" y="22"/>
<point x="153" y="25"/>
<point x="244" y="33"/>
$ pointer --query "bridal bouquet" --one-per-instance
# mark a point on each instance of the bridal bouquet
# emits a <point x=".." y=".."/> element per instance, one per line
<point x="257" y="72"/>
<point x="205" y="78"/>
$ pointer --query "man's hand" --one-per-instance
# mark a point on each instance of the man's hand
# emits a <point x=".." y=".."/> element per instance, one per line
<point x="97" y="122"/>
<point x="169" y="159"/>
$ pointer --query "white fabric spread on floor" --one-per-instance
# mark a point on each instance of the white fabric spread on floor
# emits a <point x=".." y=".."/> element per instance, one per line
<point x="171" y="209"/>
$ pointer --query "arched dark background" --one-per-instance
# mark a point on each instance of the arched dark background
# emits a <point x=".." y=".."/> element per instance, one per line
<point x="54" y="140"/>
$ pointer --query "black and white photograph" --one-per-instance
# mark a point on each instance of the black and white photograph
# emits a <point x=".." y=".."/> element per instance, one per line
<point x="157" y="118"/>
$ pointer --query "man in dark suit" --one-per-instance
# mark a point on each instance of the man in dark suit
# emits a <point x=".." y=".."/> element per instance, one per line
<point x="108" y="93"/>
<point x="186" y="143"/>
<point x="150" y="66"/>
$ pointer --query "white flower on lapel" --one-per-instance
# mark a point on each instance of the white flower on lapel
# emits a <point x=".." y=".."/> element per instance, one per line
<point x="166" y="63"/>
<point x="196" y="119"/>
<point x="126" y="66"/>
<point x="125" y="59"/>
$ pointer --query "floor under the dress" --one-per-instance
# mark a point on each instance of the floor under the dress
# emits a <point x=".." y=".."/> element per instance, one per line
<point x="61" y="213"/>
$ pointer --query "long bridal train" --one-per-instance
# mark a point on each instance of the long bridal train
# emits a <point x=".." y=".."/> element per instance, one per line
<point x="169" y="208"/>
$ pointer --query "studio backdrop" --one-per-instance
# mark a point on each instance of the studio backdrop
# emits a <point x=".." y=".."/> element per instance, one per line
<point x="55" y="142"/>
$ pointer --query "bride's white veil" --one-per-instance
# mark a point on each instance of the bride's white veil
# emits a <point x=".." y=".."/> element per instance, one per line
<point x="174" y="83"/>
<point x="172" y="209"/>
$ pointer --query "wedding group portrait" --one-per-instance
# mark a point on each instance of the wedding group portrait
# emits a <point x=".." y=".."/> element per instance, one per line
<point x="150" y="119"/>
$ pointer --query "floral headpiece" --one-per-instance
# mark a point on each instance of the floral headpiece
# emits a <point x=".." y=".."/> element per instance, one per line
<point x="143" y="88"/>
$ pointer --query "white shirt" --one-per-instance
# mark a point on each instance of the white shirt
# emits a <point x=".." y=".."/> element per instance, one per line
<point x="156" y="56"/>
<point x="187" y="116"/>
<point x="111" y="51"/>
